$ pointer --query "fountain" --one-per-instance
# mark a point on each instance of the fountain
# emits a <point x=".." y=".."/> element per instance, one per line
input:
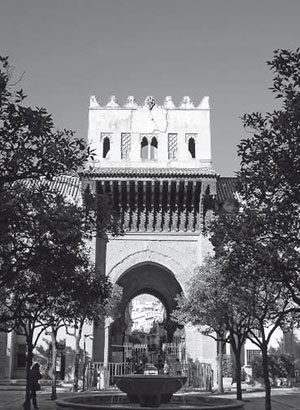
<point x="147" y="391"/>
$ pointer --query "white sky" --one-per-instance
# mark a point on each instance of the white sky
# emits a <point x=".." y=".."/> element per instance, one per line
<point x="71" y="49"/>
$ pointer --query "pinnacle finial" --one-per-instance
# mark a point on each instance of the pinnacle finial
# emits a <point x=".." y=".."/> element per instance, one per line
<point x="131" y="102"/>
<point x="112" y="103"/>
<point x="187" y="102"/>
<point x="168" y="103"/>
<point x="93" y="102"/>
<point x="204" y="104"/>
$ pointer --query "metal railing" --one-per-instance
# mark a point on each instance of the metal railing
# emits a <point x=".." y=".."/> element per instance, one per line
<point x="200" y="375"/>
<point x="100" y="377"/>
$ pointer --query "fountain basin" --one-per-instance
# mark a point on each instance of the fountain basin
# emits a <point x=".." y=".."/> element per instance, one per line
<point x="115" y="401"/>
<point x="149" y="390"/>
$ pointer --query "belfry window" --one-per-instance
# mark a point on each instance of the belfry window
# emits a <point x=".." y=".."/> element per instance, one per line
<point x="192" y="149"/>
<point x="149" y="150"/>
<point x="153" y="148"/>
<point x="190" y="140"/>
<point x="106" y="147"/>
<point x="144" y="148"/>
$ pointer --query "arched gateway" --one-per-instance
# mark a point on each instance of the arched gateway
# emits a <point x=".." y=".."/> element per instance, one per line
<point x="155" y="161"/>
<point x="151" y="279"/>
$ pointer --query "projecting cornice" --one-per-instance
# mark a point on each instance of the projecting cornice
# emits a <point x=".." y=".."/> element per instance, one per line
<point x="158" y="173"/>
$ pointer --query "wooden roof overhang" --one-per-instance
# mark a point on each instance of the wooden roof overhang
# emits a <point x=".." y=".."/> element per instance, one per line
<point x="160" y="199"/>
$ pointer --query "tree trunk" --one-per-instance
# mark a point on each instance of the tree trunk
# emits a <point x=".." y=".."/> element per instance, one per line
<point x="76" y="372"/>
<point x="29" y="358"/>
<point x="77" y="356"/>
<point x="238" y="373"/>
<point x="265" y="363"/>
<point x="220" y="368"/>
<point x="53" y="367"/>
<point x="236" y="346"/>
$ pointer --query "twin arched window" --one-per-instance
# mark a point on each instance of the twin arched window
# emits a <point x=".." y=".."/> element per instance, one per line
<point x="149" y="146"/>
<point x="149" y="149"/>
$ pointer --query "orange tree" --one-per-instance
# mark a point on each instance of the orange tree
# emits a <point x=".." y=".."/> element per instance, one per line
<point x="213" y="304"/>
<point x="249" y="270"/>
<point x="54" y="280"/>
<point x="30" y="148"/>
<point x="261" y="243"/>
<point x="30" y="145"/>
<point x="269" y="178"/>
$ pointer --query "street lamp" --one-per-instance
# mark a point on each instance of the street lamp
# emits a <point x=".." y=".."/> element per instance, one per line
<point x="84" y="358"/>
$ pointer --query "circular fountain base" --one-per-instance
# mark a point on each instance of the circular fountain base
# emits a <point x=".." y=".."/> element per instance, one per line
<point x="104" y="401"/>
<point x="149" y="390"/>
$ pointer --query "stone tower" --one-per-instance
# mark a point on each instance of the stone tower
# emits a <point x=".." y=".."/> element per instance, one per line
<point x="155" y="160"/>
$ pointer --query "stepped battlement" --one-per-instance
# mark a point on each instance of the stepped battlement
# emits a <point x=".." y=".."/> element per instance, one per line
<point x="168" y="104"/>
<point x="150" y="135"/>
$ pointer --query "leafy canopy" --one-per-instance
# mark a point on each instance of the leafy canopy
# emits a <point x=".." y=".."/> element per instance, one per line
<point x="30" y="146"/>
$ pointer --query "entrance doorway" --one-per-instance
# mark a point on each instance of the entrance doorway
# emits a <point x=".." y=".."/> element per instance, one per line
<point x="144" y="330"/>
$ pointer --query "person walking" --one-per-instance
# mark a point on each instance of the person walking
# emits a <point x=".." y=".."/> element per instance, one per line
<point x="34" y="377"/>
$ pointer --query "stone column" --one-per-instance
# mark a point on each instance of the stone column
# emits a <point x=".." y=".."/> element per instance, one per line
<point x="99" y="326"/>
<point x="108" y="322"/>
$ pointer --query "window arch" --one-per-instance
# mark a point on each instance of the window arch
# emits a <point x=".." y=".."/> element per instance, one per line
<point x="192" y="147"/>
<point x="153" y="148"/>
<point x="106" y="147"/>
<point x="149" y="147"/>
<point x="144" y="148"/>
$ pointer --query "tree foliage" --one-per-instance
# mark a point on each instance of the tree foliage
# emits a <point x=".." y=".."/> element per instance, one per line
<point x="30" y="145"/>
<point x="54" y="281"/>
<point x="269" y="179"/>
<point x="241" y="240"/>
<point x="45" y="273"/>
<point x="213" y="303"/>
<point x="260" y="242"/>
<point x="31" y="149"/>
<point x="281" y="366"/>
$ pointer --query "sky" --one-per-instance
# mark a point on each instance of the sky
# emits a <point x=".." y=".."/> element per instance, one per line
<point x="71" y="49"/>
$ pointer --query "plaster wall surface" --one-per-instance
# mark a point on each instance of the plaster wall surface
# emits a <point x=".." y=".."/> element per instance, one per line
<point x="200" y="347"/>
<point x="174" y="253"/>
<point x="178" y="254"/>
<point x="159" y="121"/>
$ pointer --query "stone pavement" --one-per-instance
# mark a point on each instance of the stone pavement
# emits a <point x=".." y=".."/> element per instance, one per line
<point x="282" y="399"/>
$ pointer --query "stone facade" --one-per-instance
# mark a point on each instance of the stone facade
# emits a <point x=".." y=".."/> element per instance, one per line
<point x="155" y="161"/>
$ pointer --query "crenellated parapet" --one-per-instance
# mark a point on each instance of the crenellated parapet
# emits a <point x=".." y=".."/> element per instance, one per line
<point x="151" y="134"/>
<point x="131" y="103"/>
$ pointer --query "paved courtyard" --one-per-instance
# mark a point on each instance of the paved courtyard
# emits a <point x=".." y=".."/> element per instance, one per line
<point x="283" y="399"/>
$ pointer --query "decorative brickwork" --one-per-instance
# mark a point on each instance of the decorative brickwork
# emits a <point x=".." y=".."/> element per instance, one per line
<point x="172" y="146"/>
<point x="125" y="145"/>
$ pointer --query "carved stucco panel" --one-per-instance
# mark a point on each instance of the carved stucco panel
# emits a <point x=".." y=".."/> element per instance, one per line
<point x="178" y="259"/>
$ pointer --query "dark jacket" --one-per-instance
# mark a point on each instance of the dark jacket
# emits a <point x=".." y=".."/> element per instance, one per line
<point x="34" y="377"/>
